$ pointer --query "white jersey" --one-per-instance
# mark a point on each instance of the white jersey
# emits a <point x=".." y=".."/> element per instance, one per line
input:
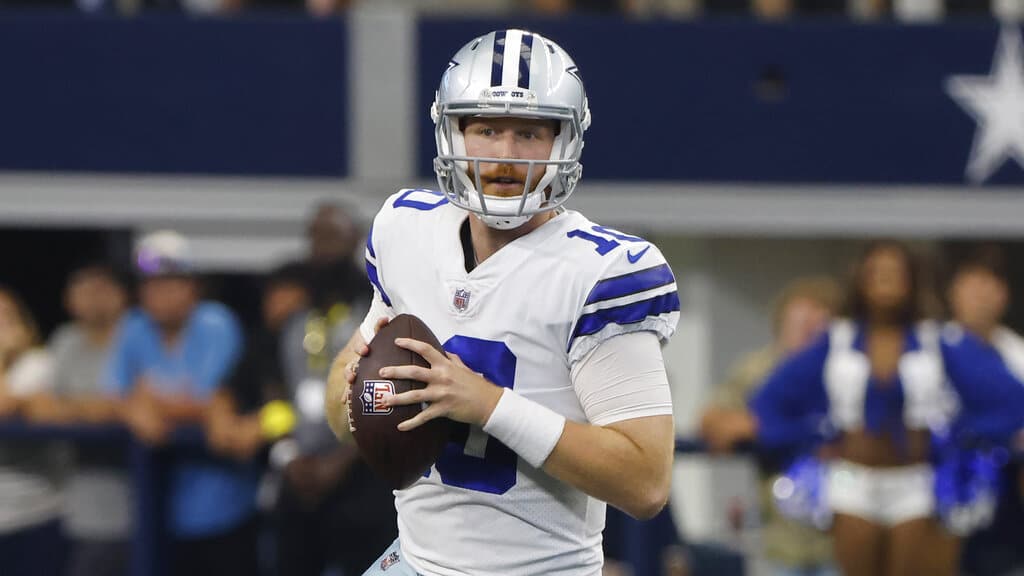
<point x="523" y="317"/>
<point x="1011" y="347"/>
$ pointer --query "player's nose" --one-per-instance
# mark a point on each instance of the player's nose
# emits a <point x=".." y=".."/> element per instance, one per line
<point x="507" y="146"/>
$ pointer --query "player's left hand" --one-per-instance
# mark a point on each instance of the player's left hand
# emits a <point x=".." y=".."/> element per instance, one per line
<point x="453" y="389"/>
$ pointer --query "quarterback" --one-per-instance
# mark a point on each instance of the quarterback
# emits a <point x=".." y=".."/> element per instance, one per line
<point x="552" y="326"/>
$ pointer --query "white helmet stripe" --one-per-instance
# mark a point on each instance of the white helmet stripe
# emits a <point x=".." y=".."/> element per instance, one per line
<point x="510" y="66"/>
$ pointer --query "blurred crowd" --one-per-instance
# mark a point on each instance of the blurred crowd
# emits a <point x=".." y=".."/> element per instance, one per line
<point x="904" y="10"/>
<point x="266" y="489"/>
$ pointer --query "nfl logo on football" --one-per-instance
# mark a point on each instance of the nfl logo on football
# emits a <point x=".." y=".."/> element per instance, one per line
<point x="461" y="299"/>
<point x="374" y="394"/>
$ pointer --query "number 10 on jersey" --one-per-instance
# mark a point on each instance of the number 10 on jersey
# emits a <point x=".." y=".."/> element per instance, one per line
<point x="473" y="460"/>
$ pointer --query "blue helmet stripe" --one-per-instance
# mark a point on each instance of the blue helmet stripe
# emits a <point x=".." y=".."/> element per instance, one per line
<point x="525" y="55"/>
<point x="499" y="57"/>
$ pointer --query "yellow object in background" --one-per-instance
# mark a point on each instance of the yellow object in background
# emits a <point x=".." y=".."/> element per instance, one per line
<point x="277" y="419"/>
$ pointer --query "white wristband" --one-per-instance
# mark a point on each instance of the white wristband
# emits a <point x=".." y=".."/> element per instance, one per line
<point x="529" y="429"/>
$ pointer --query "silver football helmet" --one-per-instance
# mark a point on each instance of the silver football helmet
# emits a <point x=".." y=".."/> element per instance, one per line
<point x="510" y="73"/>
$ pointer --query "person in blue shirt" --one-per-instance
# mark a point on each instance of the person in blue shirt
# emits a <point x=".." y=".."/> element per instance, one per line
<point x="877" y="384"/>
<point x="171" y="360"/>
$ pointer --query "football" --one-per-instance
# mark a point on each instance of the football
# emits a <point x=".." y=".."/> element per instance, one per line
<point x="400" y="458"/>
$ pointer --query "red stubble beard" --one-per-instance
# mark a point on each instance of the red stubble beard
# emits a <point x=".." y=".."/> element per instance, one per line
<point x="505" y="180"/>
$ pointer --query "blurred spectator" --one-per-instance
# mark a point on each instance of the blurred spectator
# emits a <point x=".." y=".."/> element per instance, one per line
<point x="98" y="502"/>
<point x="133" y="7"/>
<point x="328" y="7"/>
<point x="979" y="297"/>
<point x="801" y="313"/>
<point x="332" y="511"/>
<point x="30" y="539"/>
<point x="566" y="6"/>
<point x="258" y="389"/>
<point x="259" y="378"/>
<point x="868" y="9"/>
<point x="333" y="237"/>
<point x="209" y="7"/>
<point x="172" y="359"/>
<point x="258" y="385"/>
<point x="34" y="3"/>
<point x="1007" y="10"/>
<point x="772" y="9"/>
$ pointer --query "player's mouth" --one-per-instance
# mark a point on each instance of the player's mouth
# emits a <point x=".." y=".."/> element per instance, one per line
<point x="503" y="186"/>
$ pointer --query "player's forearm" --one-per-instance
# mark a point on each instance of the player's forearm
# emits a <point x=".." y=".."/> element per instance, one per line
<point x="606" y="463"/>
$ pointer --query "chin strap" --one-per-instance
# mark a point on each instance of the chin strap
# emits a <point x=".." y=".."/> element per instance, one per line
<point x="505" y="206"/>
<point x="503" y="222"/>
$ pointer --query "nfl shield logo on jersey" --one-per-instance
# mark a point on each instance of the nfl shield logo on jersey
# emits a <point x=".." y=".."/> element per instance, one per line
<point x="389" y="561"/>
<point x="374" y="394"/>
<point x="461" y="299"/>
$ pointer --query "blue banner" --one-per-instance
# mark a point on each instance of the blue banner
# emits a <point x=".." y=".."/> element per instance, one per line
<point x="801" y="102"/>
<point x="172" y="94"/>
<point x="712" y="101"/>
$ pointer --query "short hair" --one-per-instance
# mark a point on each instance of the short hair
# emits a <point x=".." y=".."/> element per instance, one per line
<point x="291" y="273"/>
<point x="822" y="290"/>
<point x="98" y="269"/>
<point x="987" y="257"/>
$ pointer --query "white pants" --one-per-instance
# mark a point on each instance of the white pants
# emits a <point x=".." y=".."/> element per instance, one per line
<point x="886" y="496"/>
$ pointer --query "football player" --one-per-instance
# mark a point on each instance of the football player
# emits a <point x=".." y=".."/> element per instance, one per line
<point x="552" y="326"/>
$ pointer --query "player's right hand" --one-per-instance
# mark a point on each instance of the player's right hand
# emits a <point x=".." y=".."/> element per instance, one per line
<point x="362" y="349"/>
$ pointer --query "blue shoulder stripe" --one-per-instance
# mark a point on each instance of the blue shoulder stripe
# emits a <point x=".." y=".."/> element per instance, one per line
<point x="626" y="314"/>
<point x="371" y="273"/>
<point x="404" y="200"/>
<point x="632" y="283"/>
